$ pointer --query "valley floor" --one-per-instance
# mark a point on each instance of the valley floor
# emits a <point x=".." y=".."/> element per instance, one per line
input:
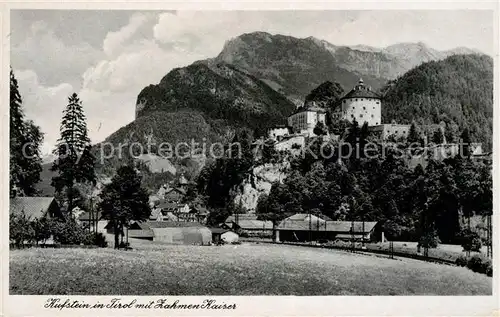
<point x="246" y="269"/>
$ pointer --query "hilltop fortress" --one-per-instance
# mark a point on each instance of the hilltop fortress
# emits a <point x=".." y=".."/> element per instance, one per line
<point x="361" y="104"/>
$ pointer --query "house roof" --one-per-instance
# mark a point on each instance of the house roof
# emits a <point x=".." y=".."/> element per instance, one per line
<point x="298" y="222"/>
<point x="254" y="224"/>
<point x="345" y="226"/>
<point x="361" y="91"/>
<point x="86" y="216"/>
<point x="288" y="224"/>
<point x="168" y="205"/>
<point x="167" y="224"/>
<point x="33" y="207"/>
<point x="241" y="217"/>
<point x="303" y="216"/>
<point x="219" y="230"/>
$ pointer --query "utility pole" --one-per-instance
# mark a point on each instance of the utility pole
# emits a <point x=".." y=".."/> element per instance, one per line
<point x="310" y="227"/>
<point x="363" y="234"/>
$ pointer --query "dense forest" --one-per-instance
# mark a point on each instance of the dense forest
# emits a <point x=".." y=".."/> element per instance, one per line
<point x="457" y="91"/>
<point x="410" y="202"/>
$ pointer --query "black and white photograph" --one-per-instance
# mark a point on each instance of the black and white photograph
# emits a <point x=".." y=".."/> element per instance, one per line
<point x="249" y="153"/>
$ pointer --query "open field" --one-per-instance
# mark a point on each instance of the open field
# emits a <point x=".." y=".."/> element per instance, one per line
<point x="447" y="252"/>
<point x="246" y="269"/>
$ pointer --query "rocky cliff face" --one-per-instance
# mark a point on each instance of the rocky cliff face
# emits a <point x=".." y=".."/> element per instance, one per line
<point x="260" y="182"/>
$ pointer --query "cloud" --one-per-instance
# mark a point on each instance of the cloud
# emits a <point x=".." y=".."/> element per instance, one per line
<point x="43" y="105"/>
<point x="50" y="58"/>
<point x="114" y="40"/>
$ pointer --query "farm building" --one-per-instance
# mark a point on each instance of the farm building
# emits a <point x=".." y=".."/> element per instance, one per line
<point x="305" y="227"/>
<point x="35" y="207"/>
<point x="223" y="235"/>
<point x="89" y="220"/>
<point x="190" y="233"/>
<point x="247" y="224"/>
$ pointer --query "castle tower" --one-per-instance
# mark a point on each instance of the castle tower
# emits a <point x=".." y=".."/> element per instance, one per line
<point x="360" y="104"/>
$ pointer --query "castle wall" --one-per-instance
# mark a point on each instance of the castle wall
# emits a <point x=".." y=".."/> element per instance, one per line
<point x="363" y="110"/>
<point x="277" y="132"/>
<point x="385" y="130"/>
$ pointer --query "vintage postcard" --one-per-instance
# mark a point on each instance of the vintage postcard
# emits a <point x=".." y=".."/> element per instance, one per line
<point x="249" y="159"/>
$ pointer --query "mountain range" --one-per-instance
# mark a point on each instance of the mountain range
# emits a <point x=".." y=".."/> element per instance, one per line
<point x="258" y="79"/>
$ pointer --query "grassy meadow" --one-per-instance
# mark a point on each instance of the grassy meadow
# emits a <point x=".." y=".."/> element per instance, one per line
<point x="246" y="269"/>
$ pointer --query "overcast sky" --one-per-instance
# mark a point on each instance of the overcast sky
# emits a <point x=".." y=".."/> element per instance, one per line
<point x="107" y="57"/>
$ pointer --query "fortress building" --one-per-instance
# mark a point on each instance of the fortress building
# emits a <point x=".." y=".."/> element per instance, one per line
<point x="305" y="118"/>
<point x="360" y="104"/>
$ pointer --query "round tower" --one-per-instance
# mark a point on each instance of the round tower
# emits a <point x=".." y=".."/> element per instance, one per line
<point x="362" y="104"/>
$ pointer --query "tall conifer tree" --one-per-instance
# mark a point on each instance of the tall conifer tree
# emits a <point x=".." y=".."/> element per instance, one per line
<point x="25" y="141"/>
<point x="75" y="162"/>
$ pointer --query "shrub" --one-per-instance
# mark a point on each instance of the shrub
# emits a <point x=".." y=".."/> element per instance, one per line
<point x="461" y="260"/>
<point x="88" y="238"/>
<point x="20" y="229"/>
<point x="429" y="240"/>
<point x="470" y="240"/>
<point x="480" y="264"/>
<point x="100" y="240"/>
<point x="42" y="229"/>
<point x="69" y="232"/>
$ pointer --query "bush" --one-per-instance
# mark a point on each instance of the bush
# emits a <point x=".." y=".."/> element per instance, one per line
<point x="429" y="240"/>
<point x="20" y="229"/>
<point x="480" y="264"/>
<point x="69" y="232"/>
<point x="42" y="229"/>
<point x="470" y="240"/>
<point x="100" y="240"/>
<point x="461" y="260"/>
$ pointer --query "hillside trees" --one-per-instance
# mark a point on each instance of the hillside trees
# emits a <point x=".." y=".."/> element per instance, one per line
<point x="457" y="90"/>
<point x="218" y="179"/>
<point x="75" y="162"/>
<point x="25" y="141"/>
<point x="124" y="200"/>
<point x="423" y="205"/>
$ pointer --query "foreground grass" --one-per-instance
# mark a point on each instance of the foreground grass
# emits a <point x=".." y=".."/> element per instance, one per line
<point x="247" y="269"/>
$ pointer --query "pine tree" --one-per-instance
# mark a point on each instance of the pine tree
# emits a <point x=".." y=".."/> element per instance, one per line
<point x="124" y="200"/>
<point x="413" y="134"/>
<point x="25" y="141"/>
<point x="438" y="136"/>
<point x="465" y="143"/>
<point x="75" y="162"/>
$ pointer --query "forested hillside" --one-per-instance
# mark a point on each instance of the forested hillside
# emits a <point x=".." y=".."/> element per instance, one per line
<point x="456" y="90"/>
<point x="220" y="91"/>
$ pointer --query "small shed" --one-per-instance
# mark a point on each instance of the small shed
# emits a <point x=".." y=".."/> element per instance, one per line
<point x="220" y="235"/>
